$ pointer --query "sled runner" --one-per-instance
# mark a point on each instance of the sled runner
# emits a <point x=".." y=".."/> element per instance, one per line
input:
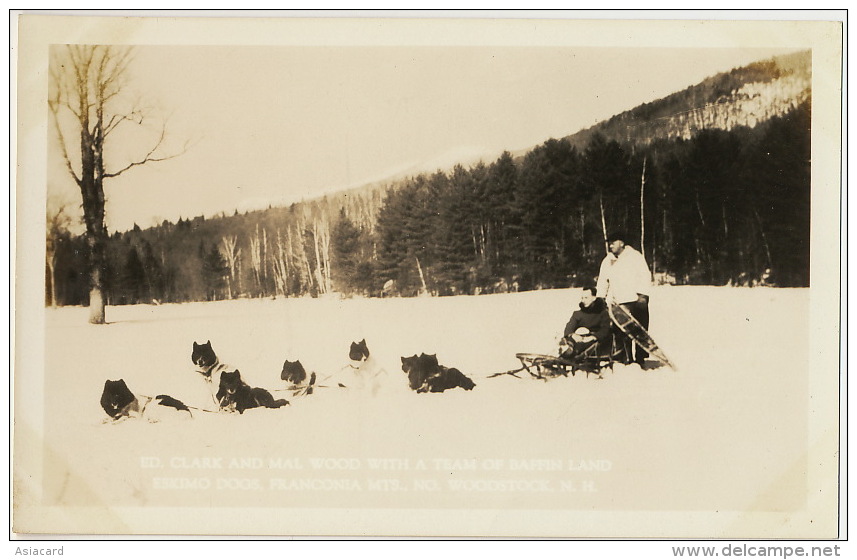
<point x="544" y="367"/>
<point x="622" y="318"/>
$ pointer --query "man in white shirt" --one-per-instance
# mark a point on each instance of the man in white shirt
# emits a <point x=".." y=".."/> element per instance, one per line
<point x="625" y="278"/>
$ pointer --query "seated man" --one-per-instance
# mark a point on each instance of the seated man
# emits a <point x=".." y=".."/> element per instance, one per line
<point x="588" y="326"/>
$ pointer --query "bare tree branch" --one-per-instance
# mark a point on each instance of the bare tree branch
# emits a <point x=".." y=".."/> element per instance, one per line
<point x="61" y="138"/>
<point x="117" y="119"/>
<point x="150" y="157"/>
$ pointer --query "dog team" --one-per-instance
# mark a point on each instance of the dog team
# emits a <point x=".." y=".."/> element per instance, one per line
<point x="230" y="393"/>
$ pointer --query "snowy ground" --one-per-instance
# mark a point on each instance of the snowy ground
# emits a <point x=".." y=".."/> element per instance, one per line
<point x="727" y="431"/>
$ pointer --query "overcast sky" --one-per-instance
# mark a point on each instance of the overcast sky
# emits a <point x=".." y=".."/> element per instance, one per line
<point x="278" y="124"/>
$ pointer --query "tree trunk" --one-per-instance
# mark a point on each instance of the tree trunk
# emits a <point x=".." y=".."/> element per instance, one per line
<point x="97" y="314"/>
<point x="764" y="239"/>
<point x="52" y="270"/>
<point x="281" y="266"/>
<point x="642" y="211"/>
<point x="425" y="291"/>
<point x="319" y="266"/>
<point x="256" y="261"/>
<point x="92" y="192"/>
<point x="228" y="244"/>
<point x="300" y="234"/>
<point x="603" y="222"/>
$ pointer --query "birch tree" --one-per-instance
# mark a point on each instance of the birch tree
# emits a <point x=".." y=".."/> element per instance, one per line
<point x="58" y="222"/>
<point x="321" y="244"/>
<point x="257" y="259"/>
<point x="280" y="262"/>
<point x="232" y="254"/>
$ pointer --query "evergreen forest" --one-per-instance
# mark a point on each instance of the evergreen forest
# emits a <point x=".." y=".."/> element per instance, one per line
<point x="710" y="196"/>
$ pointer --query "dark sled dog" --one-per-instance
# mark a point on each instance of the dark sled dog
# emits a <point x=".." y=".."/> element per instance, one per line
<point x="426" y="375"/>
<point x="208" y="366"/>
<point x="295" y="375"/>
<point x="120" y="403"/>
<point x="234" y="394"/>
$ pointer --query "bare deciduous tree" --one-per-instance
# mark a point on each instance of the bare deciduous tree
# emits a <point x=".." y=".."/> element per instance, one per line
<point x="321" y="240"/>
<point x="256" y="244"/>
<point x="229" y="250"/>
<point x="58" y="221"/>
<point x="280" y="262"/>
<point x="300" y="234"/>
<point x="86" y="100"/>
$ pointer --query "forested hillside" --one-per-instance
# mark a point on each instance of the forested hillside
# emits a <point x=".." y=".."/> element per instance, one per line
<point x="713" y="184"/>
<point x="741" y="97"/>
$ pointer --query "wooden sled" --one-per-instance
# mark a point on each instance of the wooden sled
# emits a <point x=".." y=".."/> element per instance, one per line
<point x="545" y="367"/>
<point x="622" y="318"/>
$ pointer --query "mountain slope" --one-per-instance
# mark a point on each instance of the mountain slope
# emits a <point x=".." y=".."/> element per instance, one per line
<point x="744" y="96"/>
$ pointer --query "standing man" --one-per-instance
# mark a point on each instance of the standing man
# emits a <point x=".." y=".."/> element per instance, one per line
<point x="625" y="278"/>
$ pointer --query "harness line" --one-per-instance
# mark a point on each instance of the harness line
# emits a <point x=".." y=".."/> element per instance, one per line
<point x="150" y="399"/>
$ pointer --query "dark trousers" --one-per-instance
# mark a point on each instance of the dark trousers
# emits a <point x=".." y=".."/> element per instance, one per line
<point x="640" y="311"/>
<point x="577" y="349"/>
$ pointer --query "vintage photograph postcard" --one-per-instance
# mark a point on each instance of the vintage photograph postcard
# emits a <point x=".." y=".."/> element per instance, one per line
<point x="428" y="275"/>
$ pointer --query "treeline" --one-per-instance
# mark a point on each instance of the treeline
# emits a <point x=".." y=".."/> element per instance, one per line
<point x="275" y="252"/>
<point x="721" y="208"/>
<point x="725" y="207"/>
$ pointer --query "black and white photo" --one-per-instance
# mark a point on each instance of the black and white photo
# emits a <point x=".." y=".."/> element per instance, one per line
<point x="427" y="277"/>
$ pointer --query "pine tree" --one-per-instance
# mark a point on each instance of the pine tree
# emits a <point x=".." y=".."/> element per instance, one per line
<point x="345" y="239"/>
<point x="503" y="218"/>
<point x="544" y="198"/>
<point x="133" y="283"/>
<point x="214" y="272"/>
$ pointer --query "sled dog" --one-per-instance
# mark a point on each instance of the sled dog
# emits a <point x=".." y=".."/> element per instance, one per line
<point x="120" y="403"/>
<point x="426" y="375"/>
<point x="209" y="367"/>
<point x="235" y="395"/>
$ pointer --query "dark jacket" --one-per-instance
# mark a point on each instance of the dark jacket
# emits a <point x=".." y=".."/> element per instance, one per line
<point x="595" y="318"/>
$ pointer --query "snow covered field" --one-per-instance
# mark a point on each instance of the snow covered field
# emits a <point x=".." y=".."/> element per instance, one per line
<point x="727" y="432"/>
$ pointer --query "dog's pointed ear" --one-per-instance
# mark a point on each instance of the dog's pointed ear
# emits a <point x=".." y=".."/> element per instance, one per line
<point x="195" y="345"/>
<point x="208" y="342"/>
